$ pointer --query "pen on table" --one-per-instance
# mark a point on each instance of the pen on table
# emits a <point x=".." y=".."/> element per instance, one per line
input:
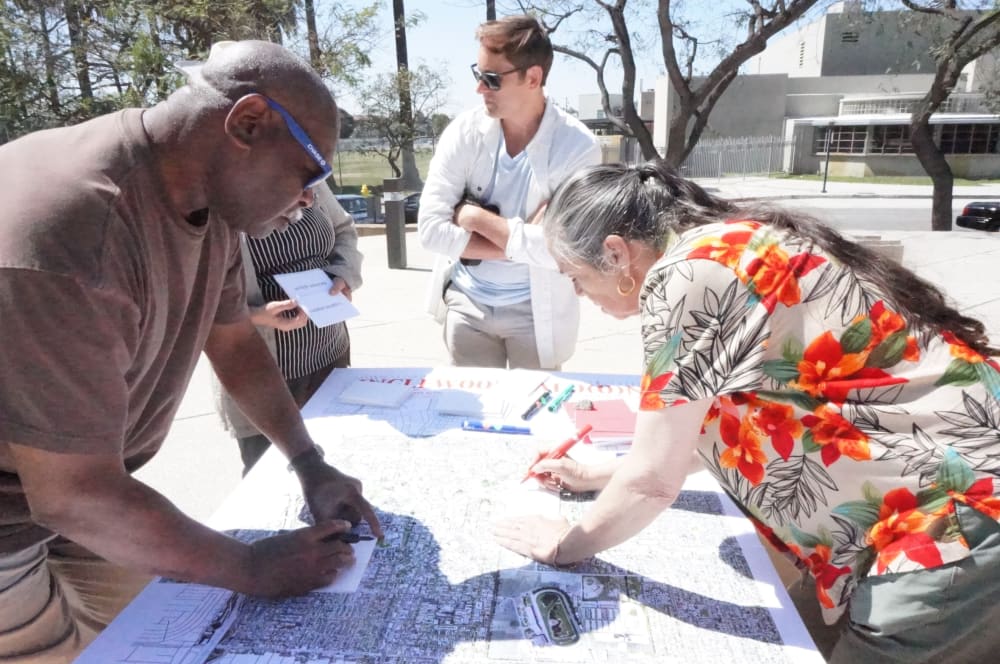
<point x="476" y="425"/>
<point x="347" y="538"/>
<point x="558" y="401"/>
<point x="536" y="406"/>
<point x="559" y="451"/>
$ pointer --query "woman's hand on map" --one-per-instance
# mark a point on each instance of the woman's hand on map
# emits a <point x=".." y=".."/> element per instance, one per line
<point x="566" y="474"/>
<point x="533" y="536"/>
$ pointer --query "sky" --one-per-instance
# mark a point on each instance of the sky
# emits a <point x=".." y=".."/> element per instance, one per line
<point x="445" y="39"/>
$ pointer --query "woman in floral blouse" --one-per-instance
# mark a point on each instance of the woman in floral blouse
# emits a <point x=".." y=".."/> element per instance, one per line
<point x="843" y="404"/>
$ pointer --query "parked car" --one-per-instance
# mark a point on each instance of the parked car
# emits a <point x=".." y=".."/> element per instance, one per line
<point x="981" y="215"/>
<point x="356" y="206"/>
<point x="411" y="208"/>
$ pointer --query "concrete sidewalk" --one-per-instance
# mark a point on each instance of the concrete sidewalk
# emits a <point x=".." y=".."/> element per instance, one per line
<point x="757" y="187"/>
<point x="199" y="464"/>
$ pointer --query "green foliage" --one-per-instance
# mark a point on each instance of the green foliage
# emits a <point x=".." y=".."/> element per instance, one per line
<point x="64" y="62"/>
<point x="381" y="106"/>
<point x="353" y="169"/>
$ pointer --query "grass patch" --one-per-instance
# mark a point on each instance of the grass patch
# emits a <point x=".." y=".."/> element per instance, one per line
<point x="353" y="169"/>
<point x="921" y="180"/>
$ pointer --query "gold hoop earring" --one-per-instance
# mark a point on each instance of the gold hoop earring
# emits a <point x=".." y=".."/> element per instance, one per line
<point x="626" y="291"/>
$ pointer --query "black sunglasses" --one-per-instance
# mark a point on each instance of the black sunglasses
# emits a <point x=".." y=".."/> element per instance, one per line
<point x="491" y="79"/>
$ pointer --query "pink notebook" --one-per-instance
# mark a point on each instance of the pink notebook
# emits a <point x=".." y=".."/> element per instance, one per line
<point x="611" y="419"/>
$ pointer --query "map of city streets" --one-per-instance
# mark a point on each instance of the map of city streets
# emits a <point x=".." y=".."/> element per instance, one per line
<point x="687" y="589"/>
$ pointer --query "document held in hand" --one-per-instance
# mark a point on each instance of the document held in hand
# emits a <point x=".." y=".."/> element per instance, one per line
<point x="311" y="290"/>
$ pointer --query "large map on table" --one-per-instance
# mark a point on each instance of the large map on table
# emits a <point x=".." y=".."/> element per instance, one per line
<point x="693" y="587"/>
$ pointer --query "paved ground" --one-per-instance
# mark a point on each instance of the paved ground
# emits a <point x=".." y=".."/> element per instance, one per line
<point x="199" y="464"/>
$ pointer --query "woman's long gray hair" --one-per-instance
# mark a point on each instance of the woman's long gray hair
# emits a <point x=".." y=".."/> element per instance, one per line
<point x="650" y="202"/>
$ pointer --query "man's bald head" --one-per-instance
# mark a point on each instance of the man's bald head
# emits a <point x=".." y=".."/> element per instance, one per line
<point x="264" y="129"/>
<point x="236" y="69"/>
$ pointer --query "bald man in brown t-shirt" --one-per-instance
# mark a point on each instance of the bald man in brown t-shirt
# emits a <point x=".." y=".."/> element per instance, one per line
<point x="119" y="264"/>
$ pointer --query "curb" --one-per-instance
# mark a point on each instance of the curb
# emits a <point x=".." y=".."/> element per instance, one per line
<point x="379" y="229"/>
<point x="864" y="196"/>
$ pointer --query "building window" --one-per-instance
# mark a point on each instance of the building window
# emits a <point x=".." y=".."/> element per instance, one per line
<point x="802" y="54"/>
<point x="849" y="37"/>
<point x="881" y="106"/>
<point x="600" y="114"/>
<point x="891" y="139"/>
<point x="969" y="138"/>
<point x="843" y="140"/>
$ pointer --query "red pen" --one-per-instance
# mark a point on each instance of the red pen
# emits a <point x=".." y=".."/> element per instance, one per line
<point x="560" y="451"/>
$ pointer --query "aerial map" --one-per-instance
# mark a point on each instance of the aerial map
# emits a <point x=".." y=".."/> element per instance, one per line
<point x="693" y="587"/>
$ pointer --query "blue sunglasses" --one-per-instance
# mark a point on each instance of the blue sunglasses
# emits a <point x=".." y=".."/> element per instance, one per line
<point x="299" y="134"/>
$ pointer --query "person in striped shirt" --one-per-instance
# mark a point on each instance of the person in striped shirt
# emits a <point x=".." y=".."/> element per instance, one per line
<point x="324" y="238"/>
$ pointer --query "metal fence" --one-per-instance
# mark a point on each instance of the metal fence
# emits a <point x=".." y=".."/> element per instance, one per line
<point x="716" y="157"/>
<point x="752" y="155"/>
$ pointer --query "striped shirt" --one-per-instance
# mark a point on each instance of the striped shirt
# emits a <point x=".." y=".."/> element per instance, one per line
<point x="305" y="245"/>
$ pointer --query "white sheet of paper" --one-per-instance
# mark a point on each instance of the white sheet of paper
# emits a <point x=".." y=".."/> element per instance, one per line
<point x="369" y="393"/>
<point x="311" y="289"/>
<point x="349" y="578"/>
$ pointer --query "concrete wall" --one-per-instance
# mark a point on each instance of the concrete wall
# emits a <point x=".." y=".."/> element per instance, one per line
<point x="895" y="42"/>
<point x="663" y="99"/>
<point x="796" y="52"/>
<point x="611" y="148"/>
<point x="590" y="108"/>
<point x="647" y="105"/>
<point x="887" y="42"/>
<point x="972" y="167"/>
<point x="750" y="106"/>
<point x="874" y="85"/>
<point x="982" y="72"/>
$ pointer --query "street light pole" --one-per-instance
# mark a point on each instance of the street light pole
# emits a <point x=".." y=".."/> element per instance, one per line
<point x="826" y="167"/>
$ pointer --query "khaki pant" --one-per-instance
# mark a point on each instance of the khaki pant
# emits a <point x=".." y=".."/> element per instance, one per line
<point x="55" y="598"/>
<point x="480" y="335"/>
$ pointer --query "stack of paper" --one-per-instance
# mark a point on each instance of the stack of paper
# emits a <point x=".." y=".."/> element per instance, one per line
<point x="374" y="393"/>
<point x="504" y="401"/>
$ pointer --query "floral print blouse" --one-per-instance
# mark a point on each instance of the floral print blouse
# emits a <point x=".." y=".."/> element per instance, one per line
<point x="845" y="435"/>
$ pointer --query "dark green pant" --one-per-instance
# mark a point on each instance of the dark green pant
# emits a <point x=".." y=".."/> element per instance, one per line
<point x="946" y="615"/>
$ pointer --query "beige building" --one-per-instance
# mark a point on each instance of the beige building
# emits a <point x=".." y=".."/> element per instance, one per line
<point x="852" y="78"/>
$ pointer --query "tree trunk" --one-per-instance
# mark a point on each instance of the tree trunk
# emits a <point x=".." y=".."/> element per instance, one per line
<point x="491" y="10"/>
<point x="78" y="46"/>
<point x="936" y="166"/>
<point x="50" y="65"/>
<point x="630" y="115"/>
<point x="312" y="35"/>
<point x="410" y="175"/>
<point x="162" y="90"/>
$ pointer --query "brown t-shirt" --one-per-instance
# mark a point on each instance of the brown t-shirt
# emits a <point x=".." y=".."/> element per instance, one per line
<point x="106" y="300"/>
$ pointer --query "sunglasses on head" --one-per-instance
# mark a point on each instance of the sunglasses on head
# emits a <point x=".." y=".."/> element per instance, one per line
<point x="491" y="79"/>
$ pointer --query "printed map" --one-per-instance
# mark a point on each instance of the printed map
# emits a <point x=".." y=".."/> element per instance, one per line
<point x="441" y="590"/>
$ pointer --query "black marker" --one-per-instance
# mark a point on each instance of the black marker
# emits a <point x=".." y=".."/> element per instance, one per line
<point x="535" y="407"/>
<point x="347" y="538"/>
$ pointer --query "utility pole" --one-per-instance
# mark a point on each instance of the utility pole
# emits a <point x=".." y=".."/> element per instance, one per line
<point x="411" y="176"/>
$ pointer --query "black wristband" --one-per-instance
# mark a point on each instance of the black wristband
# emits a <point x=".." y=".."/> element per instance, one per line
<point x="303" y="459"/>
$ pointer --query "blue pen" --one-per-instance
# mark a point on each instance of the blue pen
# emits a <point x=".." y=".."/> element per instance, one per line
<point x="558" y="401"/>
<point x="476" y="425"/>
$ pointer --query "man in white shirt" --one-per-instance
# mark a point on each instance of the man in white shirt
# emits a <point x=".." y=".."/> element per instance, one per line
<point x="497" y="289"/>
